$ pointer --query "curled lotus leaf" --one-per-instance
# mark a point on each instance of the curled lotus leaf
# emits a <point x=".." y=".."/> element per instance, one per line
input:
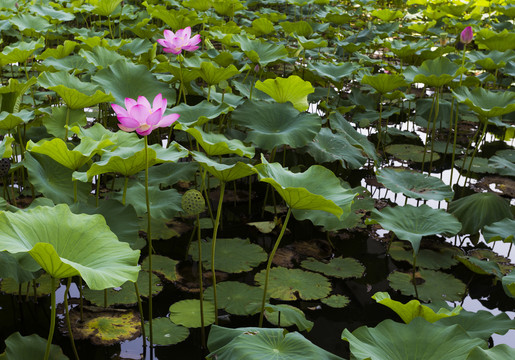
<point x="486" y="103"/>
<point x="292" y="89"/>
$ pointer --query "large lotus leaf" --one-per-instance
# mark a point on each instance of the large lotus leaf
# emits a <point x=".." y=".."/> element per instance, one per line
<point x="218" y="144"/>
<point x="414" y="184"/>
<point x="104" y="7"/>
<point x="491" y="60"/>
<point x="20" y="52"/>
<point x="384" y="83"/>
<point x="486" y="103"/>
<point x="187" y="313"/>
<point x="163" y="266"/>
<point x="502" y="165"/>
<point x="315" y="189"/>
<point x="230" y="168"/>
<point x="11" y="94"/>
<point x="478" y="210"/>
<point x="200" y="113"/>
<point x="411" y="223"/>
<point x="286" y="284"/>
<point x="56" y="121"/>
<point x="67" y="244"/>
<point x="284" y="315"/>
<point x="236" y="298"/>
<point x="339" y="267"/>
<point x="481" y="324"/>
<point x="501" y="230"/>
<point x="59" y="52"/>
<point x="260" y="51"/>
<point x="387" y="15"/>
<point x="439" y="258"/>
<point x="328" y="147"/>
<point x="505" y="40"/>
<point x="336" y="301"/>
<point x="101" y="57"/>
<point x="479" y="165"/>
<point x="431" y="285"/>
<point x="166" y="332"/>
<point x="75" y="93"/>
<point x="55" y="16"/>
<point x="435" y="73"/>
<point x="33" y="346"/>
<point x="499" y="352"/>
<point x="334" y="72"/>
<point x="414" y="309"/>
<point x="30" y="25"/>
<point x="262" y="343"/>
<point x="122" y="77"/>
<point x="213" y="74"/>
<point x="299" y="27"/>
<point x="9" y="121"/>
<point x="175" y="19"/>
<point x="273" y="124"/>
<point x="170" y="173"/>
<point x="53" y="180"/>
<point x="310" y="44"/>
<point x="72" y="159"/>
<point x="395" y="341"/>
<point x="410" y="152"/>
<point x="12" y="266"/>
<point x="231" y="255"/>
<point x="292" y="89"/>
<point x="125" y="294"/>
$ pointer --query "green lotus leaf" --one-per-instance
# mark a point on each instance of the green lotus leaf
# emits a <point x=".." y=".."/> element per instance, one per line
<point x="414" y="184"/>
<point x="387" y="15"/>
<point x="486" y="103"/>
<point x="199" y="114"/>
<point x="286" y="284"/>
<point x="431" y="285"/>
<point x="6" y="149"/>
<point x="125" y="294"/>
<point x="411" y="223"/>
<point x="170" y="173"/>
<point x="33" y="346"/>
<point x="218" y="144"/>
<point x="315" y="189"/>
<point x="284" y="315"/>
<point x="53" y="180"/>
<point x="435" y="73"/>
<point x="328" y="147"/>
<point x="55" y="122"/>
<point x="160" y="229"/>
<point x="339" y="267"/>
<point x="75" y="93"/>
<point x="59" y="52"/>
<point x="120" y="77"/>
<point x="11" y="94"/>
<point x="260" y="51"/>
<point x="478" y="210"/>
<point x="187" y="313"/>
<point x="481" y="324"/>
<point x="310" y="44"/>
<point x="31" y="25"/>
<point x="74" y="159"/>
<point x="9" y="121"/>
<point x="439" y="258"/>
<point x="231" y="255"/>
<point x="200" y="5"/>
<point x="500" y="230"/>
<point x="213" y="75"/>
<point x="262" y="343"/>
<point x="479" y="165"/>
<point x="336" y="301"/>
<point x="384" y="83"/>
<point x="101" y="57"/>
<point x="230" y="168"/>
<point x="166" y="332"/>
<point x="414" y="309"/>
<point x="453" y="342"/>
<point x="175" y="19"/>
<point x="261" y="26"/>
<point x="334" y="72"/>
<point x="299" y="27"/>
<point x="410" y="152"/>
<point x="18" y="267"/>
<point x="406" y="49"/>
<point x="508" y="283"/>
<point x="492" y="60"/>
<point x="292" y="89"/>
<point x="107" y="327"/>
<point x="51" y="14"/>
<point x="505" y="40"/>
<point x="273" y="124"/>
<point x="163" y="266"/>
<point x="499" y="352"/>
<point x="65" y="244"/>
<point x="20" y="52"/>
<point x="236" y="298"/>
<point x="481" y="266"/>
<point x="104" y="7"/>
<point x="43" y="285"/>
<point x="502" y="165"/>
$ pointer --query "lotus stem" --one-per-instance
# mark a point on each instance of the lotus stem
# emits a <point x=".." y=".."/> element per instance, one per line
<point x="269" y="265"/>
<point x="140" y="309"/>
<point x="52" y="319"/>
<point x="201" y="286"/>
<point x="475" y="150"/>
<point x="149" y="239"/>
<point x="125" y="183"/>
<point x="66" y="123"/>
<point x="413" y="279"/>
<point x="67" y="315"/>
<point x="81" y="301"/>
<point x="433" y="130"/>
<point x="213" y="246"/>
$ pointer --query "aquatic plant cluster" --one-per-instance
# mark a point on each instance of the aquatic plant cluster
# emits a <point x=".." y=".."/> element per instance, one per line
<point x="185" y="145"/>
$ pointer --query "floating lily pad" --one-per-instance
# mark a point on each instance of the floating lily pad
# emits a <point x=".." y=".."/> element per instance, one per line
<point x="481" y="324"/>
<point x="284" y="315"/>
<point x="236" y="297"/>
<point x="479" y="165"/>
<point x="285" y="283"/>
<point x="33" y="346"/>
<point x="414" y="184"/>
<point x="162" y="265"/>
<point x="336" y="301"/>
<point x="166" y="332"/>
<point x="431" y="285"/>
<point x="479" y="266"/>
<point x="187" y="313"/>
<point x="439" y="258"/>
<point x="339" y="267"/>
<point x="410" y="152"/>
<point x="231" y="255"/>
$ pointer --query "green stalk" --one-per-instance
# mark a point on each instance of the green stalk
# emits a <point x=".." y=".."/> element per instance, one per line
<point x="213" y="246"/>
<point x="125" y="183"/>
<point x="269" y="265"/>
<point x="149" y="238"/>
<point x="67" y="315"/>
<point x="433" y="130"/>
<point x="140" y="309"/>
<point x="66" y="124"/>
<point x="202" y="327"/>
<point x="52" y="319"/>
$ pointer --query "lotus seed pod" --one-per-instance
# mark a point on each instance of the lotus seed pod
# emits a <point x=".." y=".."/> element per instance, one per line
<point x="193" y="202"/>
<point x="5" y="165"/>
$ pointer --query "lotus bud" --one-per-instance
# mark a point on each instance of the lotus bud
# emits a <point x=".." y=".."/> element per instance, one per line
<point x="467" y="35"/>
<point x="193" y="202"/>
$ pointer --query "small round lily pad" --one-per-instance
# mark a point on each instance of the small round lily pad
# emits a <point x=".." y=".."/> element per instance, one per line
<point x="338" y="267"/>
<point x="187" y="313"/>
<point x="410" y="152"/>
<point x="336" y="301"/>
<point x="166" y="332"/>
<point x="236" y="298"/>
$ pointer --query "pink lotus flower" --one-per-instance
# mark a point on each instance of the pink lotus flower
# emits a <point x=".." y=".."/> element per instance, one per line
<point x="141" y="116"/>
<point x="466" y="35"/>
<point x="179" y="41"/>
